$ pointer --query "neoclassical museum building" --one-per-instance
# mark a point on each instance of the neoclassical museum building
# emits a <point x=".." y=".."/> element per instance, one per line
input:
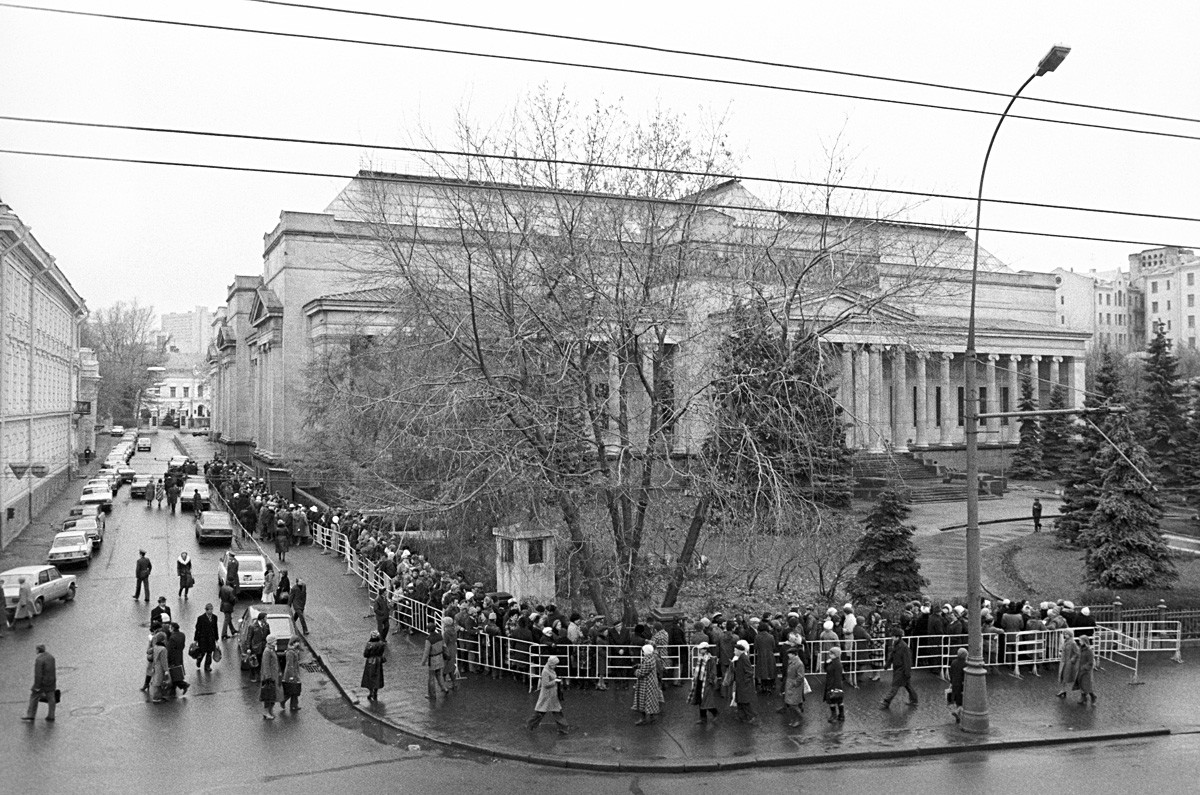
<point x="893" y="317"/>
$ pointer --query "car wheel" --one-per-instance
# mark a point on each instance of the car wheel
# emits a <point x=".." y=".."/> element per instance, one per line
<point x="70" y="593"/>
<point x="38" y="604"/>
<point x="87" y="564"/>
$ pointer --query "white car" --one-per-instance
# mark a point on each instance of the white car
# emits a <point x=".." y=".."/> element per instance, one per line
<point x="251" y="568"/>
<point x="46" y="582"/>
<point x="99" y="493"/>
<point x="91" y="526"/>
<point x="143" y="444"/>
<point x="177" y="461"/>
<point x="110" y="474"/>
<point x="116" y="430"/>
<point x="193" y="484"/>
<point x="73" y="546"/>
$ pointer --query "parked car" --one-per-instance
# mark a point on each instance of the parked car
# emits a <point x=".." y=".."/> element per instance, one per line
<point x="127" y="473"/>
<point x="86" y="510"/>
<point x="188" y="493"/>
<point x="214" y="526"/>
<point x="279" y="621"/>
<point x="97" y="493"/>
<point x="47" y="582"/>
<point x="137" y="488"/>
<point x="72" y="547"/>
<point x="109" y="475"/>
<point x="179" y="461"/>
<point x="116" y="430"/>
<point x="143" y="444"/>
<point x="251" y="568"/>
<point x="92" y="526"/>
<point x="200" y="431"/>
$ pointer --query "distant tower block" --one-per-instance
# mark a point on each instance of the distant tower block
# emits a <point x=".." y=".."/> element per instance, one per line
<point x="525" y="561"/>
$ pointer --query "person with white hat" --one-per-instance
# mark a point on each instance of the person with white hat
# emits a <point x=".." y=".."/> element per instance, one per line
<point x="835" y="685"/>
<point x="548" y="700"/>
<point x="743" y="682"/>
<point x="704" y="694"/>
<point x="647" y="693"/>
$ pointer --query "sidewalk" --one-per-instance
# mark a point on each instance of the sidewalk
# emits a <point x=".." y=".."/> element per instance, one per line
<point x="487" y="715"/>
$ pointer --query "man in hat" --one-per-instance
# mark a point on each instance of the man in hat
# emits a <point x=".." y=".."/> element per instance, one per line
<point x="900" y="661"/>
<point x="743" y="682"/>
<point x="142" y="573"/>
<point x="299" y="601"/>
<point x="160" y="614"/>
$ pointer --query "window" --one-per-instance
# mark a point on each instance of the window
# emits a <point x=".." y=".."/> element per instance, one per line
<point x="1099" y="300"/>
<point x="172" y="391"/>
<point x="185" y="390"/>
<point x="199" y="390"/>
<point x="962" y="408"/>
<point x="1191" y="280"/>
<point x="983" y="405"/>
<point x="1168" y="325"/>
<point x="1062" y="321"/>
<point x="1191" y="301"/>
<point x="537" y="551"/>
<point x="1108" y="319"/>
<point x="937" y="406"/>
<point x="1168" y="305"/>
<point x="506" y="550"/>
<point x="914" y="406"/>
<point x="1168" y="284"/>
<point x="1191" y="321"/>
<point x="1062" y="300"/>
<point x="1108" y="299"/>
<point x="1099" y="317"/>
<point x="1191" y="342"/>
<point x="1154" y="306"/>
<point x="1154" y="287"/>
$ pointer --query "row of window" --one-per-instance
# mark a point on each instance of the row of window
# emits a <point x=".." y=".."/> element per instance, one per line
<point x="199" y="391"/>
<point x="1190" y="277"/>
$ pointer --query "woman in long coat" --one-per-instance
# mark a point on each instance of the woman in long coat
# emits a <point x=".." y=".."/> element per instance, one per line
<point x="160" y="492"/>
<point x="159" y="680"/>
<point x="25" y="602"/>
<point x="835" y="684"/>
<point x="270" y="581"/>
<point x="291" y="677"/>
<point x="743" y="682"/>
<point x="1085" y="666"/>
<point x="793" y="686"/>
<point x="548" y="699"/>
<point x="764" y="658"/>
<point x="647" y="695"/>
<point x="183" y="570"/>
<point x="450" y="668"/>
<point x="269" y="679"/>
<point x="372" y="676"/>
<point x="705" y="692"/>
<point x="283" y="540"/>
<point x="434" y="661"/>
<point x="1068" y="663"/>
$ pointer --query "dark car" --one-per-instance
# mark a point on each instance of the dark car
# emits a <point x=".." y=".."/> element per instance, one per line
<point x="279" y="622"/>
<point x="213" y="526"/>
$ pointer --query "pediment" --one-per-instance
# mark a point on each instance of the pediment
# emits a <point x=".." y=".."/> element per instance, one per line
<point x="225" y="338"/>
<point x="266" y="305"/>
<point x="846" y="304"/>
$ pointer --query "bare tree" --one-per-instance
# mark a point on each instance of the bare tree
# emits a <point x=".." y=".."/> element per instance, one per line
<point x="123" y="337"/>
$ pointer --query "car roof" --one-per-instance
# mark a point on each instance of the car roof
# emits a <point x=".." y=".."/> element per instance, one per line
<point x="97" y="484"/>
<point x="82" y="521"/>
<point x="21" y="570"/>
<point x="272" y="610"/>
<point x="215" y="517"/>
<point x="70" y="535"/>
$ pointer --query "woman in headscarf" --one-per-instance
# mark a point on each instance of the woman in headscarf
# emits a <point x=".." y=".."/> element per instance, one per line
<point x="958" y="679"/>
<point x="1083" y="675"/>
<point x="291" y="676"/>
<point x="372" y="676"/>
<point x="704" y="693"/>
<point x="764" y="657"/>
<point x="548" y="700"/>
<point x="835" y="684"/>
<point x="159" y="680"/>
<point x="450" y="667"/>
<point x="183" y="568"/>
<point x="793" y="686"/>
<point x="1068" y="662"/>
<point x="269" y="679"/>
<point x="647" y="694"/>
<point x="270" y="581"/>
<point x="743" y="682"/>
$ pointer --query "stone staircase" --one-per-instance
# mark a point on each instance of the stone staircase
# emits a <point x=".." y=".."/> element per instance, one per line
<point x="875" y="471"/>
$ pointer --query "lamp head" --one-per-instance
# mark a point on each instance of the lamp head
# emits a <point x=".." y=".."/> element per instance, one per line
<point x="1050" y="62"/>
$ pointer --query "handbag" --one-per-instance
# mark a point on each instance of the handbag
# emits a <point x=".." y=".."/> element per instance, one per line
<point x="216" y="655"/>
<point x="562" y="696"/>
<point x="807" y="686"/>
<point x="45" y="699"/>
<point x="266" y="691"/>
<point x="249" y="658"/>
<point x="194" y="650"/>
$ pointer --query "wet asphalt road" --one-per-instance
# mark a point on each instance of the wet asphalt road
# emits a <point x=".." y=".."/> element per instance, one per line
<point x="109" y="738"/>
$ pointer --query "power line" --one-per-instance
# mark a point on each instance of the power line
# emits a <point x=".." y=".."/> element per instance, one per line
<point x="568" y="162"/>
<point x="718" y="57"/>
<point x="504" y="188"/>
<point x="598" y="67"/>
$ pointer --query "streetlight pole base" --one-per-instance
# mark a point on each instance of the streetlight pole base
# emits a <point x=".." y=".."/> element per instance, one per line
<point x="975" y="719"/>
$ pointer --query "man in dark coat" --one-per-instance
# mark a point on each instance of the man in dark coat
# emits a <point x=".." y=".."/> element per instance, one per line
<point x="743" y="682"/>
<point x="45" y="682"/>
<point x="173" y="492"/>
<point x="1037" y="515"/>
<point x="257" y="638"/>
<point x="383" y="615"/>
<point x="901" y="662"/>
<point x="142" y="573"/>
<point x="299" y="601"/>
<point x="228" y="602"/>
<point x="161" y="614"/>
<point x="176" y="643"/>
<point x="205" y="636"/>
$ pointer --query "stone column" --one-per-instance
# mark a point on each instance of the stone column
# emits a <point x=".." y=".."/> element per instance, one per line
<point x="1078" y="372"/>
<point x="877" y="428"/>
<point x="1035" y="375"/>
<point x="922" y="439"/>
<point x="1014" y="396"/>
<point x="846" y="392"/>
<point x="949" y="416"/>
<point x="1055" y="361"/>
<point x="862" y="403"/>
<point x="901" y="401"/>
<point x="993" y="399"/>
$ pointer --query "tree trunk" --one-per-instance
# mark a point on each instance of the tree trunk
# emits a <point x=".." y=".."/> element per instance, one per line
<point x="570" y="514"/>
<point x="689" y="548"/>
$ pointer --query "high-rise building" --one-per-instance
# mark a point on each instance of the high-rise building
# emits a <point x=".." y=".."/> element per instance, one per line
<point x="188" y="332"/>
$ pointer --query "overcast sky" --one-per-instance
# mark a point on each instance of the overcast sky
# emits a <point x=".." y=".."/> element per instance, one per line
<point x="174" y="237"/>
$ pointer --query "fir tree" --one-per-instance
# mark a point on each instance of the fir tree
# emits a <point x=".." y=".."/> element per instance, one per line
<point x="1189" y="448"/>
<point x="1163" y="407"/>
<point x="1056" y="434"/>
<point x="1027" y="459"/>
<point x="1081" y="492"/>
<point x="888" y="557"/>
<point x="1124" y="545"/>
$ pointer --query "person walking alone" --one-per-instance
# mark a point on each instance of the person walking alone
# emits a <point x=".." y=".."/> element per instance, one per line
<point x="228" y="601"/>
<point x="900" y="660"/>
<point x="269" y="676"/>
<point x="45" y="685"/>
<point x="291" y="677"/>
<point x="270" y="581"/>
<point x="793" y="686"/>
<point x="160" y="492"/>
<point x="383" y="614"/>
<point x="25" y="604"/>
<point x="1068" y="663"/>
<point x="283" y="540"/>
<point x="1037" y="515"/>
<point x="372" y="676"/>
<point x="647" y="693"/>
<point x="705" y="694"/>
<point x="958" y="679"/>
<point x="205" y="637"/>
<point x="548" y="699"/>
<point x="183" y="569"/>
<point x="835" y="686"/>
<point x="434" y="661"/>
<point x="173" y="495"/>
<point x="141" y="571"/>
<point x="299" y="600"/>
<point x="743" y="682"/>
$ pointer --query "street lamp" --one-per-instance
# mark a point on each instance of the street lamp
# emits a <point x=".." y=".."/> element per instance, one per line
<point x="975" y="707"/>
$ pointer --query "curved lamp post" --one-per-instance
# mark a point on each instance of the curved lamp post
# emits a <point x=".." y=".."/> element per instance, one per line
<point x="975" y="707"/>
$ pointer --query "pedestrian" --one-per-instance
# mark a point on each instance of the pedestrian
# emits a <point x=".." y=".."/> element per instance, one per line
<point x="173" y="495"/>
<point x="549" y="699"/>
<point x="150" y="494"/>
<point x="269" y="583"/>
<point x="25" y="604"/>
<point x="647" y="693"/>
<point x="142" y="572"/>
<point x="835" y="685"/>
<point x="742" y="671"/>
<point x="176" y="643"/>
<point x="283" y="540"/>
<point x="372" y="677"/>
<point x="45" y="685"/>
<point x="291" y="677"/>
<point x="794" y="685"/>
<point x="232" y="569"/>
<point x="205" y="637"/>
<point x="383" y="614"/>
<point x="283" y="591"/>
<point x="87" y="455"/>
<point x="160" y="492"/>
<point x="1037" y="515"/>
<point x="299" y="600"/>
<point x="160" y="680"/>
<point x="705" y="693"/>
<point x="183" y="569"/>
<point x="161" y="614"/>
<point x="764" y="657"/>
<point x="434" y="660"/>
<point x="900" y="660"/>
<point x="1084" y="668"/>
<point x="958" y="678"/>
<point x="450" y="669"/>
<point x="1068" y="662"/>
<point x="257" y="641"/>
<point x="228" y="600"/>
<point x="268" y="684"/>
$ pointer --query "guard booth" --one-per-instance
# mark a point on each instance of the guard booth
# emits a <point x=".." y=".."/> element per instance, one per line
<point x="525" y="561"/>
